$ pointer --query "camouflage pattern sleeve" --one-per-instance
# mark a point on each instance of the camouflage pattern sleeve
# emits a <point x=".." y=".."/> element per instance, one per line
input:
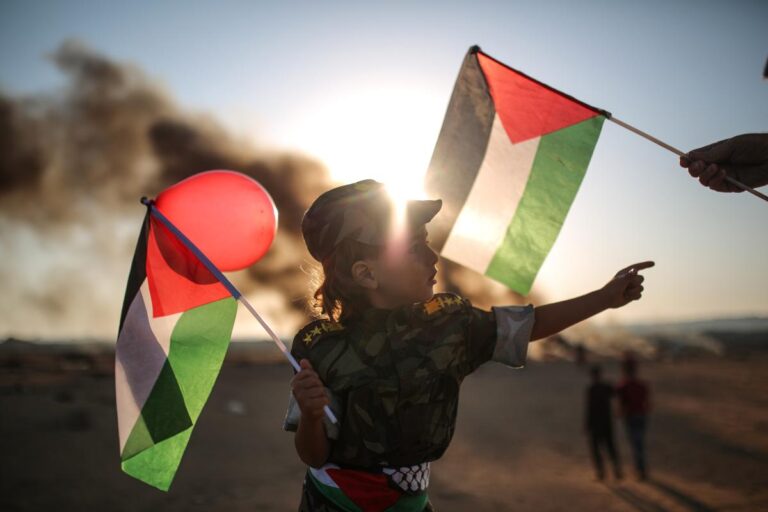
<point x="480" y="336"/>
<point x="513" y="332"/>
<point x="301" y="348"/>
<point x="501" y="334"/>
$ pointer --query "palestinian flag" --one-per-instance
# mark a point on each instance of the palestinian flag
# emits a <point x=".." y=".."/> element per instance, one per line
<point x="175" y="327"/>
<point x="509" y="160"/>
<point x="351" y="489"/>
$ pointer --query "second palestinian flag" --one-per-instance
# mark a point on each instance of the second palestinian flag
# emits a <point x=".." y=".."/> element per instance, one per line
<point x="509" y="160"/>
<point x="174" y="332"/>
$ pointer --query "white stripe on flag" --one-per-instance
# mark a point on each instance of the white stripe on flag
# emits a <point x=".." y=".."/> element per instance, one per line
<point x="141" y="351"/>
<point x="482" y="224"/>
<point x="322" y="476"/>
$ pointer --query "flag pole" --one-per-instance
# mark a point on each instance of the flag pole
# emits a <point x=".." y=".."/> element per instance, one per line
<point x="149" y="203"/>
<point x="680" y="153"/>
<point x="476" y="49"/>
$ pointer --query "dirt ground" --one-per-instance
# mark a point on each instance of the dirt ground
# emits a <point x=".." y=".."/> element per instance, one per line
<point x="519" y="443"/>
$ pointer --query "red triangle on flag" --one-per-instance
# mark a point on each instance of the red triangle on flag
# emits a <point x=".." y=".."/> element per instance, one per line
<point x="369" y="491"/>
<point x="177" y="279"/>
<point x="526" y="107"/>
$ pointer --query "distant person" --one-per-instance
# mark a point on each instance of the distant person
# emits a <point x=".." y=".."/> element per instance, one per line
<point x="634" y="397"/>
<point x="743" y="158"/>
<point x="581" y="354"/>
<point x="599" y="423"/>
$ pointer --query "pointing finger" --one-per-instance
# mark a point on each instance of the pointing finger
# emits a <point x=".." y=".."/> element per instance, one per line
<point x="644" y="264"/>
<point x="634" y="269"/>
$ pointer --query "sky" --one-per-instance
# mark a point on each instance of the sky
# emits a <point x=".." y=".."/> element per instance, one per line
<point x="363" y="87"/>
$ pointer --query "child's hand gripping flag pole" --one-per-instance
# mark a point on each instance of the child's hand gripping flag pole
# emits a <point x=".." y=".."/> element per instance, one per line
<point x="179" y="311"/>
<point x="510" y="157"/>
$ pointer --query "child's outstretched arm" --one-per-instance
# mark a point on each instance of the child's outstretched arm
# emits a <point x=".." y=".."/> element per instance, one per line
<point x="625" y="287"/>
<point x="311" y="442"/>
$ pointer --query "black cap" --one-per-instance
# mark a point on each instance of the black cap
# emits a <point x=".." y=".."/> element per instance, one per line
<point x="359" y="211"/>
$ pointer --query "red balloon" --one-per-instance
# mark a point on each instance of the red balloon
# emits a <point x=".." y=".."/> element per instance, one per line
<point x="228" y="215"/>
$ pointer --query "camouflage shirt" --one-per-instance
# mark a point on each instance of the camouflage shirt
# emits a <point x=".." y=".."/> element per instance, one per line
<point x="394" y="375"/>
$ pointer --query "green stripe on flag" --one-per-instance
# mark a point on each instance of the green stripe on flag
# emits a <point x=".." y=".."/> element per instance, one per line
<point x="558" y="169"/>
<point x="157" y="465"/>
<point x="138" y="440"/>
<point x="164" y="412"/>
<point x="199" y="343"/>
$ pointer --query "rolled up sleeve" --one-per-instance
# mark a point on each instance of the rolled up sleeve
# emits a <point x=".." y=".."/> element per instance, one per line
<point x="513" y="332"/>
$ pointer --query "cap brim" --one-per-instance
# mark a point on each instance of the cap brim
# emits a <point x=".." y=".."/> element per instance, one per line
<point x="422" y="211"/>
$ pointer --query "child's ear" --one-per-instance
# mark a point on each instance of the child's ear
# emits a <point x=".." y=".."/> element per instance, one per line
<point x="364" y="274"/>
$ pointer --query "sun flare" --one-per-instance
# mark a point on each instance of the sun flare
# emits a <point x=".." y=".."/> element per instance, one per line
<point x="380" y="131"/>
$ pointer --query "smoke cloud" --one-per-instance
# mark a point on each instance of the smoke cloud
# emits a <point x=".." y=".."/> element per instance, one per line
<point x="73" y="165"/>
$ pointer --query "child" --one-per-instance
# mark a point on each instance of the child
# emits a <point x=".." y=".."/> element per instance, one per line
<point x="390" y="357"/>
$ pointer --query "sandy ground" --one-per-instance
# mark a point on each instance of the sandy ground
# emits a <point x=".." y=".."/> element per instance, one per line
<point x="519" y="443"/>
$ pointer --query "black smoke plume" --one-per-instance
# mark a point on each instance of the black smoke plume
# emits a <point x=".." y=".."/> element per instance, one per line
<point x="73" y="165"/>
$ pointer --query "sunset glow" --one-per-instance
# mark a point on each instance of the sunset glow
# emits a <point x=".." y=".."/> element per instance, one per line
<point x="380" y="131"/>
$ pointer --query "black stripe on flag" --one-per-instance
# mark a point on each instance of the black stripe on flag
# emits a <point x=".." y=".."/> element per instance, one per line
<point x="460" y="147"/>
<point x="165" y="412"/>
<point x="138" y="270"/>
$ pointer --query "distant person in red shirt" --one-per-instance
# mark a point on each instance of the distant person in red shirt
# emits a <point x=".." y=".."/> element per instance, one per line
<point x="634" y="397"/>
<point x="598" y="423"/>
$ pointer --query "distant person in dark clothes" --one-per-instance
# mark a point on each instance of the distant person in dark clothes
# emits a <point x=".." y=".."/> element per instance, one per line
<point x="634" y="397"/>
<point x="599" y="423"/>
<point x="581" y="354"/>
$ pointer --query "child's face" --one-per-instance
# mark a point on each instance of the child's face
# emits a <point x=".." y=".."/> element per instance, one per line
<point x="405" y="271"/>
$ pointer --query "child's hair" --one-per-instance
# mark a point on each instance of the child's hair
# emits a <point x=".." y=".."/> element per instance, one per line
<point x="337" y="295"/>
<point x="347" y="224"/>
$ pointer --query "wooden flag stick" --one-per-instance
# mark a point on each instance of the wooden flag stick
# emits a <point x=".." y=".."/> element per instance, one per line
<point x="680" y="153"/>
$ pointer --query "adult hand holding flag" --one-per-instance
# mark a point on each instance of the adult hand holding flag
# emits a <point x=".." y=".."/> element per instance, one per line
<point x="509" y="160"/>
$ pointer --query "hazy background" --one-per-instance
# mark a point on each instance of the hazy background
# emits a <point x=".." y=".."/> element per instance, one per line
<point x="104" y="102"/>
<point x="101" y="103"/>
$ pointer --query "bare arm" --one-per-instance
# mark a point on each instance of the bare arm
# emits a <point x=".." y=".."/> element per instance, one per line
<point x="553" y="318"/>
<point x="625" y="287"/>
<point x="311" y="443"/>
